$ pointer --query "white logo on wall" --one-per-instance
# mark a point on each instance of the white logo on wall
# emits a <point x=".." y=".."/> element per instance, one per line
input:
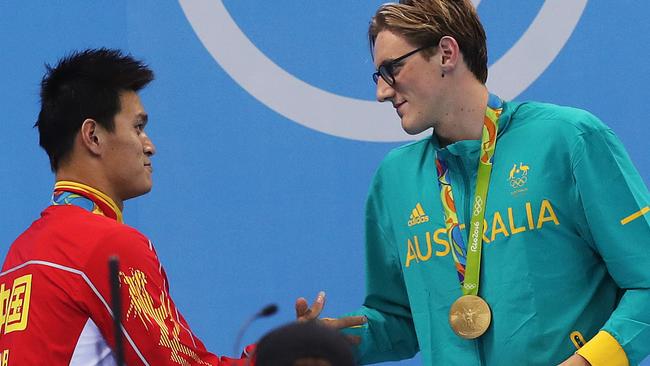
<point x="359" y="119"/>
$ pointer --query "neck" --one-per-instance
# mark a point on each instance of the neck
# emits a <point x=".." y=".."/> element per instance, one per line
<point x="73" y="193"/>
<point x="68" y="174"/>
<point x="463" y="117"/>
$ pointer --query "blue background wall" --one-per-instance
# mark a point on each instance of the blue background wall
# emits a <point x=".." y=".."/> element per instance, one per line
<point x="250" y="207"/>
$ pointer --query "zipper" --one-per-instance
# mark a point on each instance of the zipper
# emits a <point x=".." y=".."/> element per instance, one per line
<point x="466" y="196"/>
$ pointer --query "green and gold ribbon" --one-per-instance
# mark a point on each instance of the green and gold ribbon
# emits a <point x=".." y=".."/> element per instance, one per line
<point x="468" y="259"/>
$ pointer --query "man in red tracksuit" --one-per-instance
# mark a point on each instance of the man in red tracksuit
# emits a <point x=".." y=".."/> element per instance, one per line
<point x="54" y="284"/>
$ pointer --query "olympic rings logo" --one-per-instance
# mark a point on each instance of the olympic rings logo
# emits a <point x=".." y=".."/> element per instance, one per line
<point x="478" y="205"/>
<point x="518" y="182"/>
<point x="469" y="286"/>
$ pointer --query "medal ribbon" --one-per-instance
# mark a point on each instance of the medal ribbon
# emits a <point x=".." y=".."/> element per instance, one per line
<point x="468" y="264"/>
<point x="78" y="194"/>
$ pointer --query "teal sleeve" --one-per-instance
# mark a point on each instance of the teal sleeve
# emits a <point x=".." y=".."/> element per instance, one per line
<point x="389" y="333"/>
<point x="616" y="203"/>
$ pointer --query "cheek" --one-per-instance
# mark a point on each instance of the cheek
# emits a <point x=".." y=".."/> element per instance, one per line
<point x="127" y="153"/>
<point x="133" y="146"/>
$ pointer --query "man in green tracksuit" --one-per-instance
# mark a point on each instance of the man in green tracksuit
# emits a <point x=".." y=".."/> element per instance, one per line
<point x="564" y="238"/>
<point x="557" y="261"/>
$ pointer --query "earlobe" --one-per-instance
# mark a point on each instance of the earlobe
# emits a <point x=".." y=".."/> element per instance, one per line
<point x="90" y="136"/>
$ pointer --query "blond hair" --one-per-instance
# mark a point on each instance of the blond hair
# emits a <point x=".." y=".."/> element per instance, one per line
<point x="425" y="22"/>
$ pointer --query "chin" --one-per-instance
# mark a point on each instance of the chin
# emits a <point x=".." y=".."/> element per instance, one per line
<point x="139" y="192"/>
<point x="412" y="130"/>
<point x="146" y="189"/>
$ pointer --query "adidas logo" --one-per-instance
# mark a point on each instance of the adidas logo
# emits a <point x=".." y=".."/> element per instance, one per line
<point x="418" y="216"/>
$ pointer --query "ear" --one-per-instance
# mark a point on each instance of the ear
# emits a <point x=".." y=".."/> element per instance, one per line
<point x="449" y="52"/>
<point x="90" y="135"/>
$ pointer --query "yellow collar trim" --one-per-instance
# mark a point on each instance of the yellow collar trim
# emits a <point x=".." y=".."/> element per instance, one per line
<point x="63" y="184"/>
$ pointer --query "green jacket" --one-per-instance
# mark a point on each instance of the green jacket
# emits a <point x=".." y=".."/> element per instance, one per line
<point x="566" y="246"/>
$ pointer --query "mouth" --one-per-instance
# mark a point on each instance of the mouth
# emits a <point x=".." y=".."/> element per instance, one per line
<point x="149" y="167"/>
<point x="397" y="108"/>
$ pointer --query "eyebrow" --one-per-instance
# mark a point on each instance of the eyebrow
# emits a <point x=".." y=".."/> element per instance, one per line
<point x="390" y="61"/>
<point x="386" y="62"/>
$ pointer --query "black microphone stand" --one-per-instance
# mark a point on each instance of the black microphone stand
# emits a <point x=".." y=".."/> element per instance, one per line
<point x="268" y="310"/>
<point x="116" y="307"/>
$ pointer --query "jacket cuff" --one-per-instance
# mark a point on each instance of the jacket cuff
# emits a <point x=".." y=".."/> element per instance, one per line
<point x="603" y="349"/>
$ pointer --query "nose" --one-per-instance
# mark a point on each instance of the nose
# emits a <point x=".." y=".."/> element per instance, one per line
<point x="148" y="147"/>
<point x="384" y="92"/>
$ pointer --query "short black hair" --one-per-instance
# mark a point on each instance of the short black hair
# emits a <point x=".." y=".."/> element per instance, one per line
<point x="84" y="84"/>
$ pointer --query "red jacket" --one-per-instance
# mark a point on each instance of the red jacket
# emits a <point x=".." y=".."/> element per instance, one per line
<point x="55" y="294"/>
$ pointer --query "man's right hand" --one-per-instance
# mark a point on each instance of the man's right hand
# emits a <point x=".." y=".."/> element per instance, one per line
<point x="306" y="313"/>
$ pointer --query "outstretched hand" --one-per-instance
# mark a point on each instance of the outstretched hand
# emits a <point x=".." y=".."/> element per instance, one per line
<point x="304" y="313"/>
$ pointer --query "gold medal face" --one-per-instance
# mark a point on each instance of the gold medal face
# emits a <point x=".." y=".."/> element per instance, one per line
<point x="469" y="316"/>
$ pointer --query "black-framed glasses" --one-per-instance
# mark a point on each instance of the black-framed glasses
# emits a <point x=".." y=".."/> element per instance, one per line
<point x="386" y="69"/>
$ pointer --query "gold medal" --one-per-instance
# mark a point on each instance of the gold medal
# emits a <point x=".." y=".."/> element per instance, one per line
<point x="469" y="316"/>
